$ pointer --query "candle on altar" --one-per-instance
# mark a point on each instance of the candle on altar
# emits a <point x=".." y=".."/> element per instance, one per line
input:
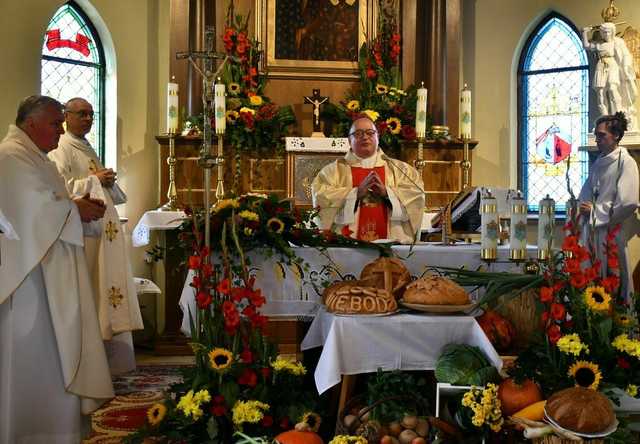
<point x="172" y="107"/>
<point x="546" y="225"/>
<point x="465" y="113"/>
<point x="518" y="235"/>
<point x="489" y="227"/>
<point x="421" y="112"/>
<point x="219" y="107"/>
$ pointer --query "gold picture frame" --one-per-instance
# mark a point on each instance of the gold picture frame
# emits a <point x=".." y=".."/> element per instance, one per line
<point x="278" y="66"/>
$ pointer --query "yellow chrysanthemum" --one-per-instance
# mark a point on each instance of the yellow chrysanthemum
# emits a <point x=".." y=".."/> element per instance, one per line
<point x="597" y="298"/>
<point x="156" y="413"/>
<point x="571" y="344"/>
<point x="232" y="116"/>
<point x="382" y="89"/>
<point x="189" y="404"/>
<point x="202" y="396"/>
<point x="234" y="88"/>
<point x="353" y="105"/>
<point x="348" y="439"/>
<point x="295" y="368"/>
<point x="244" y="109"/>
<point x="249" y="215"/>
<point x="373" y="115"/>
<point x="275" y="225"/>
<point x="632" y="390"/>
<point x="586" y="374"/>
<point x="313" y="420"/>
<point x="225" y="203"/>
<point x="248" y="411"/>
<point x="220" y="358"/>
<point x="394" y="125"/>
<point x="255" y="100"/>
<point x="625" y="344"/>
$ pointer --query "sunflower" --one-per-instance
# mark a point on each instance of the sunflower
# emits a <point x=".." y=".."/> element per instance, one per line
<point x="373" y="115"/>
<point x="275" y="225"/>
<point x="394" y="125"/>
<point x="255" y="100"/>
<point x="244" y="109"/>
<point x="597" y="298"/>
<point x="156" y="413"/>
<point x="249" y="215"/>
<point x="232" y="116"/>
<point x="220" y="358"/>
<point x="586" y="374"/>
<point x="353" y="105"/>
<point x="234" y="88"/>
<point x="382" y="89"/>
<point x="313" y="420"/>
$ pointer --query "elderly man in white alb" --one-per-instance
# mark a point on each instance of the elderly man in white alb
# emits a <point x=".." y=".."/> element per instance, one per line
<point x="53" y="367"/>
<point x="104" y="243"/>
<point x="367" y="195"/>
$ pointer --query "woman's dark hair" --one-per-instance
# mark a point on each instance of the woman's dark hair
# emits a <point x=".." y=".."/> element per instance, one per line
<point x="616" y="124"/>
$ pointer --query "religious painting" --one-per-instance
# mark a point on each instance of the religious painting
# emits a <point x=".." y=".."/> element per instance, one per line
<point x="313" y="38"/>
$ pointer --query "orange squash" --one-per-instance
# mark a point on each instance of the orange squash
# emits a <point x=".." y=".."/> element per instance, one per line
<point x="514" y="397"/>
<point x="298" y="437"/>
<point x="498" y="329"/>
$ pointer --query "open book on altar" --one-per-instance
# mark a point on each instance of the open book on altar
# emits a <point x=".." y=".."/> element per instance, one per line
<point x="465" y="209"/>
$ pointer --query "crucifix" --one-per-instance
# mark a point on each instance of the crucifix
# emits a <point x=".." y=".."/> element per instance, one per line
<point x="316" y="100"/>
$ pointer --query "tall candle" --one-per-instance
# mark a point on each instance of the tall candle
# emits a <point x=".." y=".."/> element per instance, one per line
<point x="489" y="229"/>
<point x="219" y="108"/>
<point x="465" y="113"/>
<point x="172" y="107"/>
<point x="518" y="235"/>
<point x="546" y="224"/>
<point x="421" y="112"/>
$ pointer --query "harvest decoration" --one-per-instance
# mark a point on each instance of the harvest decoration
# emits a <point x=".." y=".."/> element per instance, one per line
<point x="482" y="409"/>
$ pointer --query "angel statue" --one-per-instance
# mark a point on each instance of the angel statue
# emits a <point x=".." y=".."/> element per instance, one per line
<point x="614" y="78"/>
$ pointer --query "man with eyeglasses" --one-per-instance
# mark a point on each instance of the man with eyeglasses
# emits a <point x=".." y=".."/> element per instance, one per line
<point x="53" y="366"/>
<point x="367" y="195"/>
<point x="104" y="243"/>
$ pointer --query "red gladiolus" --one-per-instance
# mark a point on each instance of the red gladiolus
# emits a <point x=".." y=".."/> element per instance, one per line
<point x="207" y="270"/>
<point x="578" y="280"/>
<point x="612" y="262"/>
<point x="256" y="298"/>
<point x="591" y="273"/>
<point x="570" y="243"/>
<point x="558" y="311"/>
<point x="623" y="363"/>
<point x="546" y="294"/>
<point x="195" y="262"/>
<point x="259" y="321"/>
<point x="266" y="372"/>
<point x="218" y="399"/>
<point x="582" y="254"/>
<point x="285" y="423"/>
<point x="611" y="283"/>
<point x="223" y="286"/>
<point x="248" y="377"/>
<point x="382" y="127"/>
<point x="203" y="299"/>
<point x="218" y="410"/>
<point x="371" y="74"/>
<point x="408" y="132"/>
<point x="196" y="282"/>
<point x="553" y="332"/>
<point x="267" y="421"/>
<point x="345" y="231"/>
<point x="611" y="235"/>
<point x="571" y="266"/>
<point x="246" y="356"/>
<point x="249" y="311"/>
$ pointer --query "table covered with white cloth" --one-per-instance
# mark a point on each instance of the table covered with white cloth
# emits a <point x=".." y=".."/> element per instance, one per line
<point x="155" y="220"/>
<point x="290" y="293"/>
<point x="403" y="341"/>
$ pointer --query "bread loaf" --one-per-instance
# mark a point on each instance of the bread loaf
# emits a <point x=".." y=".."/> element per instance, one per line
<point x="435" y="290"/>
<point x="356" y="299"/>
<point x="580" y="410"/>
<point x="388" y="273"/>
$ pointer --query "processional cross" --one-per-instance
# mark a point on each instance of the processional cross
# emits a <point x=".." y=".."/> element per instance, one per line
<point x="316" y="100"/>
<point x="207" y="160"/>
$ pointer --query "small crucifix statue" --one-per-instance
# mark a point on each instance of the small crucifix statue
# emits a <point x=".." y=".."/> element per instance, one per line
<point x="316" y="100"/>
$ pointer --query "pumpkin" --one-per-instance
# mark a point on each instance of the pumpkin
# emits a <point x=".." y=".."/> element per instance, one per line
<point x="514" y="397"/>
<point x="497" y="328"/>
<point x="298" y="437"/>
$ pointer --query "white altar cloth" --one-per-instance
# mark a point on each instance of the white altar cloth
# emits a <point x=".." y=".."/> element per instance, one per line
<point x="288" y="295"/>
<point x="362" y="344"/>
<point x="155" y="220"/>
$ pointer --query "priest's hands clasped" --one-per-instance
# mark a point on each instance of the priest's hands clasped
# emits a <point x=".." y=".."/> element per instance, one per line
<point x="372" y="184"/>
<point x="90" y="209"/>
<point x="107" y="177"/>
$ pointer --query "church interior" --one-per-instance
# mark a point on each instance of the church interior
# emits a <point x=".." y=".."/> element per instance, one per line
<point x="237" y="107"/>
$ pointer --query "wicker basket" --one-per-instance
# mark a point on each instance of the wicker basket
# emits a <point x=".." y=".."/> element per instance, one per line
<point x="555" y="439"/>
<point x="521" y="311"/>
<point x="341" y="429"/>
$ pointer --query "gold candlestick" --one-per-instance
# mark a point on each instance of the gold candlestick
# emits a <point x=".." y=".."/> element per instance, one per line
<point x="172" y="194"/>
<point x="219" y="160"/>
<point x="420" y="163"/>
<point x="465" y="165"/>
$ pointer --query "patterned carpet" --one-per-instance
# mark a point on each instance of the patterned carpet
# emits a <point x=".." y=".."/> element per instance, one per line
<point x="135" y="393"/>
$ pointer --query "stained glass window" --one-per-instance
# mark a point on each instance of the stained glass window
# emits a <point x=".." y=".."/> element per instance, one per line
<point x="73" y="65"/>
<point x="553" y="82"/>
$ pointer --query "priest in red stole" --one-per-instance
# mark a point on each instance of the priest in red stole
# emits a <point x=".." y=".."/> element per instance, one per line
<point x="367" y="195"/>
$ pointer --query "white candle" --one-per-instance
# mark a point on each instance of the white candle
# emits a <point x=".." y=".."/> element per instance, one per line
<point x="518" y="235"/>
<point x="489" y="230"/>
<point x="219" y="108"/>
<point x="546" y="224"/>
<point x="172" y="107"/>
<point x="421" y="112"/>
<point x="465" y="113"/>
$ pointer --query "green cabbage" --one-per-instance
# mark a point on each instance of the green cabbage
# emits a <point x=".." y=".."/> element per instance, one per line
<point x="461" y="364"/>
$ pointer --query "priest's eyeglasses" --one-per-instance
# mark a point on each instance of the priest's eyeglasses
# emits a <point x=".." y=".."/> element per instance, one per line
<point x="82" y="114"/>
<point x="359" y="134"/>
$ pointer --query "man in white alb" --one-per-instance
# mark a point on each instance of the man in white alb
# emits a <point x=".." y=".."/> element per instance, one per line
<point x="53" y="367"/>
<point x="105" y="247"/>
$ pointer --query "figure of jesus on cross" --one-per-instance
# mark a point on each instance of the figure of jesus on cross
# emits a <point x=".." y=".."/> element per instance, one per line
<point x="316" y="100"/>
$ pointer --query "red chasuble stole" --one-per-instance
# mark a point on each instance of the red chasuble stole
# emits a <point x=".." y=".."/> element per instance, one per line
<point x="373" y="218"/>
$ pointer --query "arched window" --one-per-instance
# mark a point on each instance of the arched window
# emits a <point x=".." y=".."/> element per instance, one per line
<point x="553" y="83"/>
<point x="73" y="65"/>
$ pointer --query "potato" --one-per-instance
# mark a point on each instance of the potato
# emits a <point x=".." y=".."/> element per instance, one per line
<point x="386" y="439"/>
<point x="410" y="422"/>
<point x="422" y="428"/>
<point x="407" y="436"/>
<point x="395" y="428"/>
<point x="351" y="422"/>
